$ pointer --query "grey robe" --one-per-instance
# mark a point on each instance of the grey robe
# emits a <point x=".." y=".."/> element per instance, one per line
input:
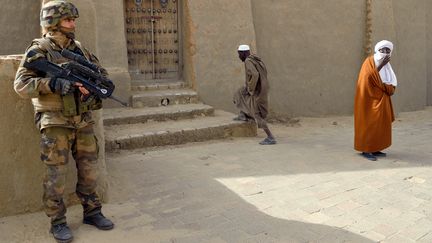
<point x="254" y="102"/>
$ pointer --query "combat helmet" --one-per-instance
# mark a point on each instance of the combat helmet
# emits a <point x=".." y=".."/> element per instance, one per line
<point x="54" y="11"/>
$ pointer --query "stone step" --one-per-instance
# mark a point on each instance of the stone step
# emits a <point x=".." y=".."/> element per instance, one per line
<point x="176" y="132"/>
<point x="158" y="97"/>
<point x="143" y="86"/>
<point x="118" y="116"/>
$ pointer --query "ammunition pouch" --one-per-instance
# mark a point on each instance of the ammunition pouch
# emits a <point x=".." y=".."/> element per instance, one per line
<point x="69" y="105"/>
<point x="73" y="106"/>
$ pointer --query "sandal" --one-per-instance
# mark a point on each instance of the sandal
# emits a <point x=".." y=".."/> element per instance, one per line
<point x="369" y="156"/>
<point x="268" y="141"/>
<point x="379" y="153"/>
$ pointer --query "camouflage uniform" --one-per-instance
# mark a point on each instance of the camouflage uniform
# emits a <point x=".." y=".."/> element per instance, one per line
<point x="61" y="132"/>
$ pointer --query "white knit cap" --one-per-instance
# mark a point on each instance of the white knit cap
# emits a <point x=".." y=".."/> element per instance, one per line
<point x="243" y="48"/>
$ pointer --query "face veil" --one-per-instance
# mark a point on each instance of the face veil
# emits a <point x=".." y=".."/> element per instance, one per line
<point x="386" y="73"/>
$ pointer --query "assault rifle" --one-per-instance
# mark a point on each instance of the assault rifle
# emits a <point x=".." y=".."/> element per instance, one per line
<point x="78" y="70"/>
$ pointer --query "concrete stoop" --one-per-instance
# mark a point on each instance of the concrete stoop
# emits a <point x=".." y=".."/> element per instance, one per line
<point x="149" y="123"/>
<point x="156" y="133"/>
<point x="138" y="86"/>
<point x="154" y="98"/>
<point x="119" y="116"/>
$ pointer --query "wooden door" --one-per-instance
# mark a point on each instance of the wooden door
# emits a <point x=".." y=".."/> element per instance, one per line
<point x="152" y="36"/>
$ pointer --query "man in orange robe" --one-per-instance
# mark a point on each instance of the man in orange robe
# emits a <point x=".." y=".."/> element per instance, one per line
<point x="373" y="110"/>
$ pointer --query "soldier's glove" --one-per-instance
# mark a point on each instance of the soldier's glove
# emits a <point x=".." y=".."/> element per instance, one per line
<point x="61" y="86"/>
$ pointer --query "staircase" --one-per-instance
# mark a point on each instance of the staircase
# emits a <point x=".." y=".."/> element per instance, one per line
<point x="168" y="114"/>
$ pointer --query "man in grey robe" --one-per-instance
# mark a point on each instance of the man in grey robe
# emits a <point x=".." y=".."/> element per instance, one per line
<point x="251" y="99"/>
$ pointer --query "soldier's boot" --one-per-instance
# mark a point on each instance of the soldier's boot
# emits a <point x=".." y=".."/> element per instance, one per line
<point x="61" y="233"/>
<point x="99" y="221"/>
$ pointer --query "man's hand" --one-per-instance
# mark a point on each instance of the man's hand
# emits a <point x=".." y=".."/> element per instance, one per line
<point x="85" y="94"/>
<point x="81" y="88"/>
<point x="384" y="62"/>
<point x="61" y="86"/>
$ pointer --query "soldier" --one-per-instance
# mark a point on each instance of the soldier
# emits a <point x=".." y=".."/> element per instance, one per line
<point x="64" y="120"/>
<point x="251" y="99"/>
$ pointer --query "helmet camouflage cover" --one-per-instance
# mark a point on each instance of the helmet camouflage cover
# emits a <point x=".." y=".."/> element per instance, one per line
<point x="54" y="11"/>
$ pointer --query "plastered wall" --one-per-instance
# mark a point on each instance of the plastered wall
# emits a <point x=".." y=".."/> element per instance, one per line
<point x="404" y="23"/>
<point x="213" y="31"/>
<point x="312" y="53"/>
<point x="19" y="21"/>
<point x="314" y="56"/>
<point x="428" y="50"/>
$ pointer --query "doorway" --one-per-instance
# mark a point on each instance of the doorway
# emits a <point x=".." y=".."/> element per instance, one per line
<point x="152" y="37"/>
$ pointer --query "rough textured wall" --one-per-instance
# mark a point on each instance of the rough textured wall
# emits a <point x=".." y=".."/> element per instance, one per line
<point x="428" y="50"/>
<point x="215" y="29"/>
<point x="20" y="24"/>
<point x="86" y="24"/>
<point x="22" y="171"/>
<point x="111" y="45"/>
<point x="19" y="149"/>
<point x="313" y="53"/>
<point x="404" y="23"/>
<point x="188" y="45"/>
<point x="19" y="21"/>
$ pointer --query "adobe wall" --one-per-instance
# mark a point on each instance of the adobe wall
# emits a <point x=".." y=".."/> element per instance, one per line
<point x="314" y="57"/>
<point x="404" y="23"/>
<point x="428" y="50"/>
<point x="212" y="32"/>
<point x="19" y="21"/>
<point x="312" y="53"/>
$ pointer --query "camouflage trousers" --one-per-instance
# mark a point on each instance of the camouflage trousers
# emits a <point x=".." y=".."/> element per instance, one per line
<point x="56" y="143"/>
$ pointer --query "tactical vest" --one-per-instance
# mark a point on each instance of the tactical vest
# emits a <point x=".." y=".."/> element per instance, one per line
<point x="69" y="105"/>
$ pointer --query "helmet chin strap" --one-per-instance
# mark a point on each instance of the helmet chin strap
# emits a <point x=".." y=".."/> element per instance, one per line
<point x="68" y="32"/>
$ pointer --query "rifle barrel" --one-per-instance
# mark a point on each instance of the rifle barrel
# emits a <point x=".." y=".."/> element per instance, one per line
<point x="119" y="101"/>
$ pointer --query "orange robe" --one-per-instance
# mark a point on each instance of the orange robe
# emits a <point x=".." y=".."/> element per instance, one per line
<point x="373" y="110"/>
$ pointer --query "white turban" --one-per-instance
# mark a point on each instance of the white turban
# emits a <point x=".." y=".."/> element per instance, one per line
<point x="382" y="44"/>
<point x="243" y="48"/>
<point x="386" y="73"/>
